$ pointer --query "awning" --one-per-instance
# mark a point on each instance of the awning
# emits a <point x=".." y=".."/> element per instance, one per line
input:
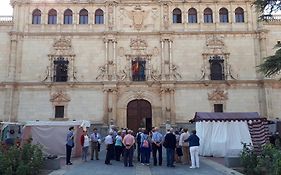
<point x="227" y="116"/>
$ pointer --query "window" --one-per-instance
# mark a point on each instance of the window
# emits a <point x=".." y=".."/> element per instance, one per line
<point x="239" y="15"/>
<point x="83" y="16"/>
<point x="192" y="15"/>
<point x="177" y="15"/>
<point x="59" y="111"/>
<point x="99" y="16"/>
<point x="60" y="70"/>
<point x="138" y="70"/>
<point x="216" y="66"/>
<point x="36" y="16"/>
<point x="52" y="17"/>
<point x="218" y="107"/>
<point x="223" y="15"/>
<point x="208" y="15"/>
<point x="67" y="17"/>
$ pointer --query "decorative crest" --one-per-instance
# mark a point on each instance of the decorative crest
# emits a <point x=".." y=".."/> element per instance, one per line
<point x="218" y="95"/>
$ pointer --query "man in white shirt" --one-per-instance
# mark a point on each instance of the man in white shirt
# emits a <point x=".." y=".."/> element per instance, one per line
<point x="185" y="147"/>
<point x="109" y="147"/>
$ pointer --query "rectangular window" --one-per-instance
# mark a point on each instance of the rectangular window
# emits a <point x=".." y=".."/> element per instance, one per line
<point x="60" y="70"/>
<point x="138" y="70"/>
<point x="59" y="111"/>
<point x="218" y="107"/>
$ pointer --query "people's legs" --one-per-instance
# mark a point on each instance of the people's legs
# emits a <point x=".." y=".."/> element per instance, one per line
<point x="138" y="151"/>
<point x="192" y="155"/>
<point x="131" y="154"/>
<point x="126" y="155"/>
<point x="160" y="154"/>
<point x="172" y="157"/>
<point x="197" y="156"/>
<point x="147" y="155"/>
<point x="96" y="148"/>
<point x="108" y="155"/>
<point x="154" y="151"/>
<point x="86" y="152"/>
<point x="168" y="156"/>
<point x="142" y="155"/>
<point x="68" y="153"/>
<point x="185" y="154"/>
<point x="83" y="153"/>
<point x="92" y="150"/>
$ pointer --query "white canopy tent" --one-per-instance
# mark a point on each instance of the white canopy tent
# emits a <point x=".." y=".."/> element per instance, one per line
<point x="222" y="134"/>
<point x="52" y="135"/>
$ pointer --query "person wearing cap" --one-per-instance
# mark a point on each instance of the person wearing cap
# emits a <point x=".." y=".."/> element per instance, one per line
<point x="69" y="144"/>
<point x="95" y="139"/>
<point x="108" y="140"/>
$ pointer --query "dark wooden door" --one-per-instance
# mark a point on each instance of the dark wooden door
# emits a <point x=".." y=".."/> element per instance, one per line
<point x="139" y="115"/>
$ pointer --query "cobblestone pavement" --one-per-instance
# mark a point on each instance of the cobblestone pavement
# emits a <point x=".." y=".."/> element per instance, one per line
<point x="97" y="167"/>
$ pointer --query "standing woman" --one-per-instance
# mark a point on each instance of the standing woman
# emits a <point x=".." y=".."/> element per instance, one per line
<point x="145" y="148"/>
<point x="193" y="141"/>
<point x="85" y="143"/>
<point x="118" y="146"/>
<point x="69" y="144"/>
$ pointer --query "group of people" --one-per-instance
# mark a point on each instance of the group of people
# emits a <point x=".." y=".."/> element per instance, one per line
<point x="181" y="146"/>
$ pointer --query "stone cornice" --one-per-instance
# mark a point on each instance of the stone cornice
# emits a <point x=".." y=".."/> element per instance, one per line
<point x="187" y="33"/>
<point x="275" y="84"/>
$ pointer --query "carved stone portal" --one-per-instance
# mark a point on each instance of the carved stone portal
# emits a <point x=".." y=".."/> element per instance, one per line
<point x="137" y="15"/>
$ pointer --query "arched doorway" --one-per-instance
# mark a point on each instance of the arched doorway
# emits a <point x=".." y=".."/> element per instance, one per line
<point x="139" y="115"/>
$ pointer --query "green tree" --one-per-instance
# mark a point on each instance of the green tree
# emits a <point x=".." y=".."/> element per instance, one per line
<point x="268" y="6"/>
<point x="272" y="64"/>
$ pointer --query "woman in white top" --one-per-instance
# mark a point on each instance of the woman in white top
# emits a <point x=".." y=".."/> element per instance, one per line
<point x="85" y="143"/>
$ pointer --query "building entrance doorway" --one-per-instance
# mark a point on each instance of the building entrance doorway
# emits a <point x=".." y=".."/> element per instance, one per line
<point x="139" y="115"/>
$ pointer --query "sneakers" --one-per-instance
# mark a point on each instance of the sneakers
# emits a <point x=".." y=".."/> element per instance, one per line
<point x="192" y="167"/>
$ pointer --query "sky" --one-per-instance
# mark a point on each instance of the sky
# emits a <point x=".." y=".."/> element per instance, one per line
<point x="5" y="8"/>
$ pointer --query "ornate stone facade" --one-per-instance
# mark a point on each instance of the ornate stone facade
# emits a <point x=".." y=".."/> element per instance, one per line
<point x="179" y="61"/>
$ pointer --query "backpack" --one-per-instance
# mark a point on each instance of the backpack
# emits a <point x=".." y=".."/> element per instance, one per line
<point x="145" y="144"/>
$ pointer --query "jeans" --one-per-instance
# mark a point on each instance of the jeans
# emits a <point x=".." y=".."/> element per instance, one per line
<point x="145" y="155"/>
<point x="68" y="153"/>
<point x="170" y="156"/>
<point x="84" y="153"/>
<point x="156" y="148"/>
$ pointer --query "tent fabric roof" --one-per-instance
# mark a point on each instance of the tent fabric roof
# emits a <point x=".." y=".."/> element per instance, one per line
<point x="58" y="123"/>
<point x="226" y="116"/>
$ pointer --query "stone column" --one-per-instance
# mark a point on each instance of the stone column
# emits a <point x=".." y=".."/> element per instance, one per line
<point x="162" y="60"/>
<point x="173" y="106"/>
<point x="163" y="104"/>
<point x="168" y="104"/>
<point x="105" y="107"/>
<point x="170" y="56"/>
<point x="13" y="58"/>
<point x="114" y="105"/>
<point x="114" y="61"/>
<point x="106" y="56"/>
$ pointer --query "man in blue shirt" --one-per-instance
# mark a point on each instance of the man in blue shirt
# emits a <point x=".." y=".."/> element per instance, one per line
<point x="157" y="139"/>
<point x="69" y="144"/>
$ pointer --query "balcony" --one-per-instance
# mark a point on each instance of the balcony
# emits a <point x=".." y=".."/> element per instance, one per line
<point x="6" y="20"/>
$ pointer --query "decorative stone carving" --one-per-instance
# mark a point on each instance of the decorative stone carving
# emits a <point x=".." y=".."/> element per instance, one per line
<point x="137" y="15"/>
<point x="174" y="72"/>
<point x="166" y="16"/>
<point x="59" y="97"/>
<point x="101" y="72"/>
<point x="155" y="75"/>
<point x="139" y="94"/>
<point x="218" y="95"/>
<point x="138" y="44"/>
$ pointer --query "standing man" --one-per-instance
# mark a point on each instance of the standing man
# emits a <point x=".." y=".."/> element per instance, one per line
<point x="157" y="139"/>
<point x="129" y="142"/>
<point x="194" y="149"/>
<point x="109" y="147"/>
<point x="95" y="138"/>
<point x="69" y="144"/>
<point x="185" y="147"/>
<point x="170" y="145"/>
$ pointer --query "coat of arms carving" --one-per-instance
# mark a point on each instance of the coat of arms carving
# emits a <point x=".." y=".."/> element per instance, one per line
<point x="137" y="15"/>
<point x="218" y="95"/>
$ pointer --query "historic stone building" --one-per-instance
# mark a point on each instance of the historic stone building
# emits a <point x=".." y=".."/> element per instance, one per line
<point x="135" y="63"/>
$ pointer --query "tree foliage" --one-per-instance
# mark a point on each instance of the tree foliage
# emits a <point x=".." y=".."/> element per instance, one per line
<point x="272" y="64"/>
<point x="268" y="6"/>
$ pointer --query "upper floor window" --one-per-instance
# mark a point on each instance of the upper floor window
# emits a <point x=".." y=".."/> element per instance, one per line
<point x="223" y="15"/>
<point x="176" y="15"/>
<point x="192" y="15"/>
<point x="67" y="16"/>
<point x="138" y="69"/>
<point x="59" y="111"/>
<point x="239" y="15"/>
<point x="99" y="16"/>
<point x="36" y="16"/>
<point x="217" y="68"/>
<point x="52" y="16"/>
<point x="83" y="16"/>
<point x="60" y="69"/>
<point x="208" y="15"/>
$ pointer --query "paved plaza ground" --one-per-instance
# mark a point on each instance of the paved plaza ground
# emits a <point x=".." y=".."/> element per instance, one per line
<point x="97" y="167"/>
